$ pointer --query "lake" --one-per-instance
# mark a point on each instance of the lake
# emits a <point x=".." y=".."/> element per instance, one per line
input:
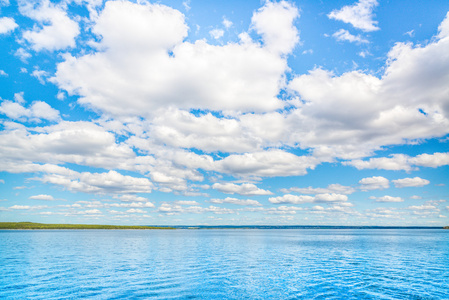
<point x="225" y="264"/>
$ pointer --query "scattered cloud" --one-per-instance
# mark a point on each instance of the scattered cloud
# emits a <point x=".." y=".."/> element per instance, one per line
<point x="226" y="23"/>
<point x="216" y="33"/>
<point x="57" y="31"/>
<point x="7" y="25"/>
<point x="332" y="188"/>
<point x="343" y="35"/>
<point x="374" y="183"/>
<point x="410" y="182"/>
<point x="293" y="199"/>
<point x="404" y="162"/>
<point x="387" y="198"/>
<point x="245" y="189"/>
<point x="36" y="112"/>
<point x="360" y="15"/>
<point x="42" y="197"/>
<point x="236" y="201"/>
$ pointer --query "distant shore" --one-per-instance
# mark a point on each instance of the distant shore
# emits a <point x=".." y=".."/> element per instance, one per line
<point x="37" y="226"/>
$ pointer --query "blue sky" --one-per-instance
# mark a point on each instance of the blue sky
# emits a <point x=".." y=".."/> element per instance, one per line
<point x="224" y="112"/>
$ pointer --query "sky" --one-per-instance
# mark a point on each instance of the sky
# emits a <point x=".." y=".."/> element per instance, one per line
<point x="225" y="112"/>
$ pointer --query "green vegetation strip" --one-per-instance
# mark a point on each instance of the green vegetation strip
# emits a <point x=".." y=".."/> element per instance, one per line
<point x="30" y="225"/>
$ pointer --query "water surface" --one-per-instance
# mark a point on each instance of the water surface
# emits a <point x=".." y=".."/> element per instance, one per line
<point x="225" y="264"/>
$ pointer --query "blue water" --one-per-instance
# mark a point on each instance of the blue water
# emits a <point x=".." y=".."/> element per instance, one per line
<point x="225" y="264"/>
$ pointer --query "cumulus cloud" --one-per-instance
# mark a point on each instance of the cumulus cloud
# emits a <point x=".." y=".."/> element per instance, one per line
<point x="374" y="183"/>
<point x="28" y="207"/>
<point x="402" y="162"/>
<point x="274" y="22"/>
<point x="227" y="78"/>
<point x="236" y="201"/>
<point x="37" y="111"/>
<point x="410" y="182"/>
<point x="73" y="142"/>
<point x="110" y="182"/>
<point x="59" y="31"/>
<point x="360" y="15"/>
<point x="226" y="23"/>
<point x="294" y="199"/>
<point x="42" y="197"/>
<point x="344" y="35"/>
<point x="246" y="189"/>
<point x="407" y="103"/>
<point x="332" y="188"/>
<point x="175" y="209"/>
<point x="7" y="25"/>
<point x="216" y="33"/>
<point x="132" y="204"/>
<point x="267" y="164"/>
<point x="387" y="198"/>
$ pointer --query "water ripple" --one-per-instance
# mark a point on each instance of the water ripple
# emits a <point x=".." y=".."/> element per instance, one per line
<point x="225" y="264"/>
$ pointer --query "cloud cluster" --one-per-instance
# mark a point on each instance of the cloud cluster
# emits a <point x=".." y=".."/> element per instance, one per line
<point x="320" y="198"/>
<point x="57" y="31"/>
<point x="246" y="189"/>
<point x="402" y="162"/>
<point x="36" y="112"/>
<point x="144" y="44"/>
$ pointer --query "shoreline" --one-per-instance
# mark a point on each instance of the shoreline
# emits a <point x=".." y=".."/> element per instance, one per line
<point x="43" y="226"/>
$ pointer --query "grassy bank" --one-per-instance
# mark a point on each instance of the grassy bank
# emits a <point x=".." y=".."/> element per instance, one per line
<point x="30" y="225"/>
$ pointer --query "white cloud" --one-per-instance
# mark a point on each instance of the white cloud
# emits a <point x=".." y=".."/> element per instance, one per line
<point x="360" y="15"/>
<point x="443" y="29"/>
<point x="81" y="143"/>
<point x="395" y="162"/>
<point x="226" y="23"/>
<point x="136" y="210"/>
<point x="236" y="201"/>
<point x="131" y="198"/>
<point x="59" y="31"/>
<point x="42" y="197"/>
<point x="332" y="188"/>
<point x="246" y="189"/>
<point x="344" y="35"/>
<point x="150" y="49"/>
<point x="7" y="25"/>
<point x="216" y="33"/>
<point x="374" y="183"/>
<point x="175" y="209"/>
<point x="111" y="182"/>
<point x="3" y="73"/>
<point x="274" y="22"/>
<point x="188" y="202"/>
<point x="387" y="198"/>
<point x="431" y="160"/>
<point x="90" y="212"/>
<point x="407" y="103"/>
<point x="40" y="75"/>
<point x="402" y="162"/>
<point x="293" y="199"/>
<point x="267" y="164"/>
<point x="132" y="204"/>
<point x="22" y="54"/>
<point x="28" y="207"/>
<point x="38" y="110"/>
<point x="20" y="207"/>
<point x="410" y="182"/>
